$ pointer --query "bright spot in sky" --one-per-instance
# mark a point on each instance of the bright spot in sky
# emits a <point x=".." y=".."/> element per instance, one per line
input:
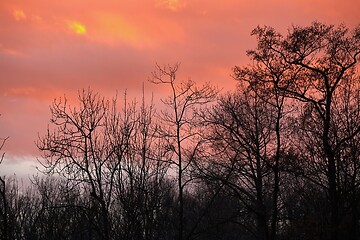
<point x="170" y="4"/>
<point x="19" y="15"/>
<point x="77" y="27"/>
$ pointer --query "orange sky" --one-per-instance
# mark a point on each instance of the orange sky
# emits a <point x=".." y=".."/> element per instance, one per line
<point x="49" y="48"/>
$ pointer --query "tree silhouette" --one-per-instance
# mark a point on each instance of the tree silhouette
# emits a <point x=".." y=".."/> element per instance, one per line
<point x="310" y="65"/>
<point x="179" y="127"/>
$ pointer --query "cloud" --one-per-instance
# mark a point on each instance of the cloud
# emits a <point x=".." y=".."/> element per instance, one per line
<point x="19" y="15"/>
<point x="77" y="27"/>
<point x="173" y="5"/>
<point x="22" y="167"/>
<point x="51" y="48"/>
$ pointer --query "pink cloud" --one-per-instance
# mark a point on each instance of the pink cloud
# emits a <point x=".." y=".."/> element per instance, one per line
<point x="43" y="56"/>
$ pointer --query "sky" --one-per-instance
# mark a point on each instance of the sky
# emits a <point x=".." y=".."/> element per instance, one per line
<point x="49" y="48"/>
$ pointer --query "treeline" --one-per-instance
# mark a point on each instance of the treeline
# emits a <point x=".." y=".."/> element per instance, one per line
<point x="277" y="158"/>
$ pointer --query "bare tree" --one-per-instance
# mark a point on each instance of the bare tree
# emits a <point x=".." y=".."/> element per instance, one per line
<point x="142" y="185"/>
<point x="179" y="129"/>
<point x="115" y="159"/>
<point x="245" y="132"/>
<point x="80" y="147"/>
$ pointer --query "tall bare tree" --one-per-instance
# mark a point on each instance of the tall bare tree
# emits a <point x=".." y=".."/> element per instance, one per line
<point x="179" y="127"/>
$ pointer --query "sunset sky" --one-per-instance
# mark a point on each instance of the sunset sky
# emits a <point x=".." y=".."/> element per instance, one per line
<point x="49" y="48"/>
